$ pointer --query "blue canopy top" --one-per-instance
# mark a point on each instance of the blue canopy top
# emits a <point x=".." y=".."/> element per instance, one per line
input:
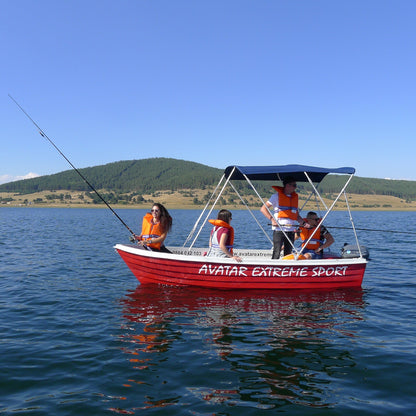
<point x="269" y="173"/>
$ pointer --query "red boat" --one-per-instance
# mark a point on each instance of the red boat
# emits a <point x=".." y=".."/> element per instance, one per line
<point x="187" y="265"/>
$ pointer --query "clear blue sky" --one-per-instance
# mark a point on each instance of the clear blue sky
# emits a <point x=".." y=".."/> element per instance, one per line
<point x="323" y="82"/>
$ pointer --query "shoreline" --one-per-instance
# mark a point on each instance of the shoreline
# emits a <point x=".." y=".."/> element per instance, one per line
<point x="192" y="200"/>
<point x="185" y="207"/>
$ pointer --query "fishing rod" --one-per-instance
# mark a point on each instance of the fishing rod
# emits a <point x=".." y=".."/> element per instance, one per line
<point x="43" y="134"/>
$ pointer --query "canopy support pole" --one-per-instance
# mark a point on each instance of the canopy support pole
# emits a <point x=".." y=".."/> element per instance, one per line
<point x="251" y="212"/>
<point x="191" y="233"/>
<point x="209" y="213"/>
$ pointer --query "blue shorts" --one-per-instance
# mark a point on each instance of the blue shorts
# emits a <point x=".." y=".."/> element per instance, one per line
<point x="313" y="254"/>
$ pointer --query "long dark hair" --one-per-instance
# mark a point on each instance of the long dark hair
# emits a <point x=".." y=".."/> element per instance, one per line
<point x="165" y="218"/>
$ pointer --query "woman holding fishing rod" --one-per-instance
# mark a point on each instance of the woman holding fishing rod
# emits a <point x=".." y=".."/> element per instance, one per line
<point x="155" y="227"/>
<point x="156" y="224"/>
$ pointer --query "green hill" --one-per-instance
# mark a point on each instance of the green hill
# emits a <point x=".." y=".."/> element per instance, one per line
<point x="142" y="176"/>
<point x="146" y="176"/>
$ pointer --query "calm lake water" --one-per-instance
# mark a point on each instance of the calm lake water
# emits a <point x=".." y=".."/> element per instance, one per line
<point x="80" y="336"/>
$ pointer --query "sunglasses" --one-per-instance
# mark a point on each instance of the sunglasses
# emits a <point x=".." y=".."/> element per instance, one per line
<point x="155" y="210"/>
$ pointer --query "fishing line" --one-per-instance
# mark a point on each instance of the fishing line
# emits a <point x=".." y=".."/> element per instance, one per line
<point x="366" y="229"/>
<point x="43" y="134"/>
<point x="371" y="229"/>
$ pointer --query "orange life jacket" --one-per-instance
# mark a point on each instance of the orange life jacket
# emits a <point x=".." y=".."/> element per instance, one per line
<point x="221" y="223"/>
<point x="288" y="205"/>
<point x="150" y="230"/>
<point x="315" y="242"/>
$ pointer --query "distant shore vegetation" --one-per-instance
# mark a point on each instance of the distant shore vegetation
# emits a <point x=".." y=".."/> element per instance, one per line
<point x="183" y="184"/>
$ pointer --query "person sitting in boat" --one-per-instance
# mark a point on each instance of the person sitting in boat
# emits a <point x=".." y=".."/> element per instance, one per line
<point x="155" y="227"/>
<point x="321" y="237"/>
<point x="285" y="216"/>
<point x="222" y="236"/>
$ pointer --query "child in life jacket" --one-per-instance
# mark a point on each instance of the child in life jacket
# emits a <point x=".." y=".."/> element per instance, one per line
<point x="321" y="237"/>
<point x="222" y="236"/>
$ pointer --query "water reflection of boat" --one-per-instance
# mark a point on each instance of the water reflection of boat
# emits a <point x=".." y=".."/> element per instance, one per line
<point x="284" y="312"/>
<point x="170" y="298"/>
<point x="188" y="266"/>
<point x="282" y="344"/>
